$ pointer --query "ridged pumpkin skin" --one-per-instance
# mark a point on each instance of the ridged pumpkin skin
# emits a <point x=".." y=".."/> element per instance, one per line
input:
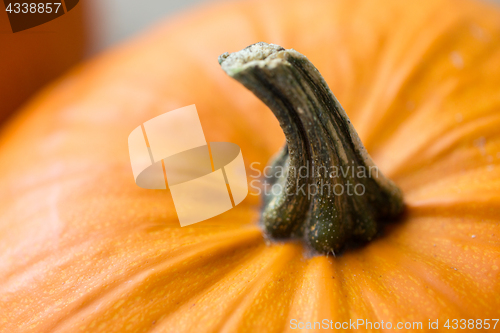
<point x="82" y="248"/>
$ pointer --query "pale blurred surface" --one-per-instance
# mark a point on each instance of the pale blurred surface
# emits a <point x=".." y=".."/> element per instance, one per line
<point x="115" y="20"/>
<point x="119" y="19"/>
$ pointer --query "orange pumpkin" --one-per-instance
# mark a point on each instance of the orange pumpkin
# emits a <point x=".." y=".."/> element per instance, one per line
<point x="31" y="58"/>
<point x="82" y="248"/>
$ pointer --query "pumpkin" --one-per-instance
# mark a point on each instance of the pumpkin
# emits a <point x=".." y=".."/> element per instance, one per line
<point x="82" y="248"/>
<point x="33" y="57"/>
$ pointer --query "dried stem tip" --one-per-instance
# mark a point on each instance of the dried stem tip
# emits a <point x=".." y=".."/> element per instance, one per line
<point x="332" y="193"/>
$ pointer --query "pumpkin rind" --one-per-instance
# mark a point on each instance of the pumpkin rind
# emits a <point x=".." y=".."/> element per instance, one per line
<point x="82" y="248"/>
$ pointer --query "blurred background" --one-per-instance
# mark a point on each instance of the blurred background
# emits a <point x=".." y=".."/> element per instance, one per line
<point x="119" y="19"/>
<point x="91" y="27"/>
<point x="123" y="18"/>
<point x="31" y="58"/>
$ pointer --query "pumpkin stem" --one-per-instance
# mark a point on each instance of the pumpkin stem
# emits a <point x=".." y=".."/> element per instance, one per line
<point x="332" y="192"/>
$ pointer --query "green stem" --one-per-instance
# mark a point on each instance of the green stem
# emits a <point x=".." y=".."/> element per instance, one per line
<point x="322" y="155"/>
